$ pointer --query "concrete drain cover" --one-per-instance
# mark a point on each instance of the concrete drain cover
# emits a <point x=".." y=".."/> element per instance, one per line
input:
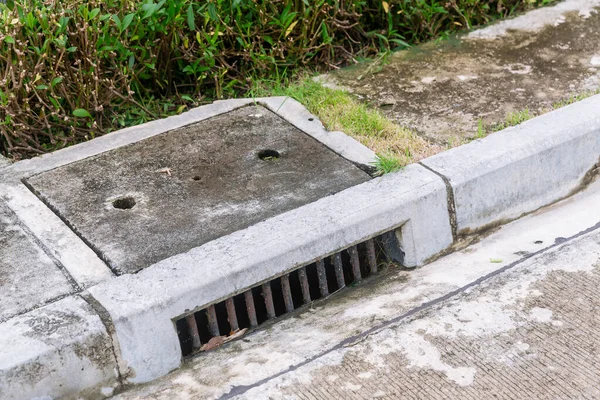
<point x="162" y="196"/>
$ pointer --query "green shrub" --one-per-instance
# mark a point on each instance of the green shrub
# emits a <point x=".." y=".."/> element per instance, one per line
<point x="73" y="69"/>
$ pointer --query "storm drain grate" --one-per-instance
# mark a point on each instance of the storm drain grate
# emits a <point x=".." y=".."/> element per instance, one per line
<point x="287" y="293"/>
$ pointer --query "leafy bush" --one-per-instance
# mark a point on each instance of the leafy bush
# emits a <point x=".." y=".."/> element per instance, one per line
<point x="73" y="69"/>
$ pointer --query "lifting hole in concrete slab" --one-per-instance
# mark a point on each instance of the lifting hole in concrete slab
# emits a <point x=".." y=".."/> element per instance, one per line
<point x="197" y="178"/>
<point x="311" y="119"/>
<point x="124" y="203"/>
<point x="269" y="155"/>
<point x="538" y="242"/>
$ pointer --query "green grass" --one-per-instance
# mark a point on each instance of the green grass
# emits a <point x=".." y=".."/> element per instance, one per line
<point x="518" y="117"/>
<point x="386" y="163"/>
<point x="339" y="111"/>
<point x="575" y="98"/>
<point x="512" y="119"/>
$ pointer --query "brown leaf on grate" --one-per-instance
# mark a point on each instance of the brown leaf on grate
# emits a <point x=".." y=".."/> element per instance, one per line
<point x="236" y="334"/>
<point x="213" y="343"/>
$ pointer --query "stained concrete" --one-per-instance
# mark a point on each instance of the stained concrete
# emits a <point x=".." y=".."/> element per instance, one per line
<point x="442" y="89"/>
<point x="144" y="305"/>
<point x="529" y="334"/>
<point x="191" y="185"/>
<point x="60" y="351"/>
<point x="466" y="326"/>
<point x="28" y="277"/>
<point x="522" y="168"/>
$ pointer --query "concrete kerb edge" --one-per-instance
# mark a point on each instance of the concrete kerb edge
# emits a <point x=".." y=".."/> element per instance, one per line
<point x="143" y="310"/>
<point x="518" y="170"/>
<point x="4" y="162"/>
<point x="43" y="350"/>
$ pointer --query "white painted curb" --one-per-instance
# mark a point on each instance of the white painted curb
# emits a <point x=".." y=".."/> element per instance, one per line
<point x="523" y="168"/>
<point x="4" y="161"/>
<point x="144" y="305"/>
<point x="58" y="351"/>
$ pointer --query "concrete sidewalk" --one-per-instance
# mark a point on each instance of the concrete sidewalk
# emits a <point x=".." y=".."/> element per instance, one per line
<point x="513" y="316"/>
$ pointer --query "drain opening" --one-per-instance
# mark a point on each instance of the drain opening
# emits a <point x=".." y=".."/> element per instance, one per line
<point x="269" y="155"/>
<point x="124" y="203"/>
<point x="285" y="294"/>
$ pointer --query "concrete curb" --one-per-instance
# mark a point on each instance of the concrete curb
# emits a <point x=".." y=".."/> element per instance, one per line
<point x="466" y="189"/>
<point x="4" y="162"/>
<point x="523" y="168"/>
<point x="143" y="306"/>
<point x="58" y="351"/>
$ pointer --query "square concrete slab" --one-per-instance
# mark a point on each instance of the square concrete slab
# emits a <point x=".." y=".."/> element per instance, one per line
<point x="162" y="196"/>
<point x="28" y="277"/>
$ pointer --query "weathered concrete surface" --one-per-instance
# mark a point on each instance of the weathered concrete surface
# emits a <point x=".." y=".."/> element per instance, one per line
<point x="522" y="168"/>
<point x="311" y="346"/>
<point x="78" y="260"/>
<point x="28" y="277"/>
<point x="3" y="161"/>
<point x="529" y="333"/>
<point x="297" y="115"/>
<point x="142" y="306"/>
<point x="441" y="90"/>
<point x="60" y="351"/>
<point x="192" y="185"/>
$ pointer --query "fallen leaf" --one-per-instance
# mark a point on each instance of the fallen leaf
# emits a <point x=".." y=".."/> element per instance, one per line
<point x="495" y="260"/>
<point x="213" y="343"/>
<point x="386" y="6"/>
<point x="236" y="334"/>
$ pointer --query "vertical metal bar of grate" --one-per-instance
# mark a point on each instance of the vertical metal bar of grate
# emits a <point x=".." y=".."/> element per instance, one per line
<point x="249" y="298"/>
<point x="371" y="256"/>
<point x="231" y="315"/>
<point x="268" y="295"/>
<point x="193" y="328"/>
<point x="355" y="262"/>
<point x="339" y="270"/>
<point x="287" y="293"/>
<point x="322" y="278"/>
<point x="213" y="324"/>
<point x="304" y="285"/>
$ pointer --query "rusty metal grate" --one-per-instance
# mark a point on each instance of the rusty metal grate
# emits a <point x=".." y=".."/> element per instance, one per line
<point x="286" y="293"/>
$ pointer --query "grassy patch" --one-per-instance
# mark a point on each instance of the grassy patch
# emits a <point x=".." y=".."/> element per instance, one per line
<point x="574" y="99"/>
<point x="339" y="111"/>
<point x="386" y="163"/>
<point x="518" y="117"/>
